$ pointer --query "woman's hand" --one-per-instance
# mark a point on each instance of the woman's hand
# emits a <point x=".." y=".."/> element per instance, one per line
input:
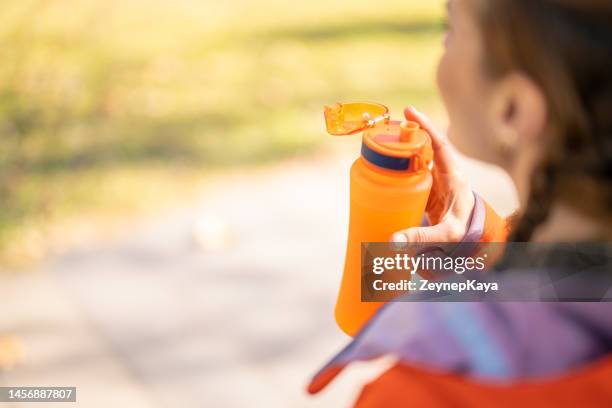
<point x="451" y="200"/>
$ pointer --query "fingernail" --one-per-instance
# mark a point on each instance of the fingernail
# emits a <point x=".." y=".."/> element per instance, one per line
<point x="399" y="240"/>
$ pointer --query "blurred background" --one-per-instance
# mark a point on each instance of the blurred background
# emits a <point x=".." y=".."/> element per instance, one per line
<point x="172" y="213"/>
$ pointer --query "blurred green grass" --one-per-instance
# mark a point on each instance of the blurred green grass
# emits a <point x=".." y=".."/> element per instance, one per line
<point x="107" y="106"/>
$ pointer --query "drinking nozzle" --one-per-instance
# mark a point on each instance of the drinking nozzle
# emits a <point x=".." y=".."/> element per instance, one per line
<point x="408" y="131"/>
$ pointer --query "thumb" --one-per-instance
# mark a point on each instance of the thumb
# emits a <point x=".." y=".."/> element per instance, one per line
<point x="419" y="235"/>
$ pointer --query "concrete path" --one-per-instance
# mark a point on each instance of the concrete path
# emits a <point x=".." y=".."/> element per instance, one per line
<point x="226" y="302"/>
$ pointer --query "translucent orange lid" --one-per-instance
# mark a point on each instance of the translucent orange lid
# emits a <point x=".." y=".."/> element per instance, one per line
<point x="349" y="118"/>
<point x="389" y="144"/>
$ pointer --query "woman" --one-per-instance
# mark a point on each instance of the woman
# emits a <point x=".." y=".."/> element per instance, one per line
<point x="528" y="86"/>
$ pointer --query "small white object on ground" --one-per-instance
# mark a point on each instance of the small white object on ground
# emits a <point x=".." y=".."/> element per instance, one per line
<point x="211" y="233"/>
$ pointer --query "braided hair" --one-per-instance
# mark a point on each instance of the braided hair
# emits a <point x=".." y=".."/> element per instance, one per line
<point x="565" y="46"/>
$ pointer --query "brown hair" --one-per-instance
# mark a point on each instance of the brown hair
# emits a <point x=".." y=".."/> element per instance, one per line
<point x="565" y="46"/>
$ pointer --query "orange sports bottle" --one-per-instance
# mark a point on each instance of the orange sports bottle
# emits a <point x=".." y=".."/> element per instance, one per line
<point x="390" y="184"/>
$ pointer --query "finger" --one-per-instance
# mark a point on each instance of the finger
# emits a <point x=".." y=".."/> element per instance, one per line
<point x="420" y="235"/>
<point x="411" y="113"/>
<point x="444" y="157"/>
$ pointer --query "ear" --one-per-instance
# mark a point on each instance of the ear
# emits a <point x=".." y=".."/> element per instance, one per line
<point x="519" y="111"/>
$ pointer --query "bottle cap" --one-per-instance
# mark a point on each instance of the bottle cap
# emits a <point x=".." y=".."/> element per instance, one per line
<point x="392" y="145"/>
<point x="344" y="119"/>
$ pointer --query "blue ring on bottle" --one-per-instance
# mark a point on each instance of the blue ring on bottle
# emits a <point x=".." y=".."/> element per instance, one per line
<point x="387" y="162"/>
